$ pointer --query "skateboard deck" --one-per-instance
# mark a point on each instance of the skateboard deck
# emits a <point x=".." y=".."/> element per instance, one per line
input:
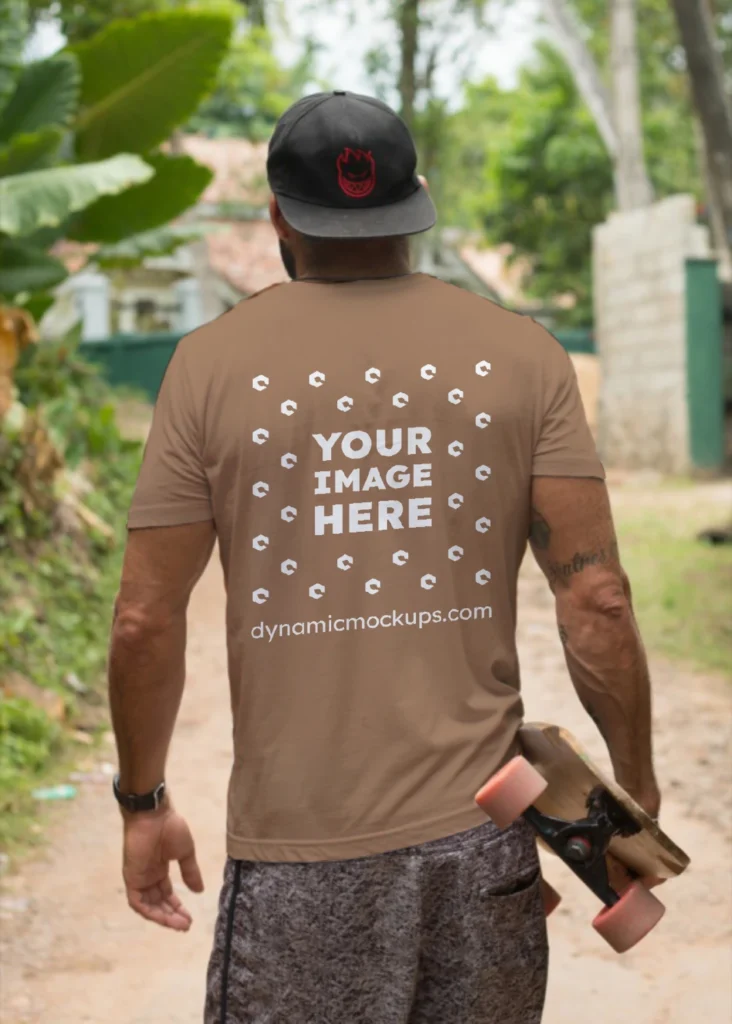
<point x="572" y="777"/>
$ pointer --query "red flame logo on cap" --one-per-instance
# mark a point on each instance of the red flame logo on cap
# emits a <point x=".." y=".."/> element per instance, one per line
<point x="356" y="173"/>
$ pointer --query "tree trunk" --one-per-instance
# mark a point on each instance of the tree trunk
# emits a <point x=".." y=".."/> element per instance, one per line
<point x="713" y="204"/>
<point x="256" y="13"/>
<point x="581" y="63"/>
<point x="409" y="32"/>
<point x="696" y="29"/>
<point x="632" y="184"/>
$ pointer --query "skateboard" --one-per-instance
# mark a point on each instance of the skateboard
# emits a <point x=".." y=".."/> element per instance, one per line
<point x="590" y="823"/>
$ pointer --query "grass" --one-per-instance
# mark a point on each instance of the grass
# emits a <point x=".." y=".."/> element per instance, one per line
<point x="682" y="588"/>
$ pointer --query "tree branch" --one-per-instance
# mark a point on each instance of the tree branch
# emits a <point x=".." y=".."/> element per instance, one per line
<point x="581" y="63"/>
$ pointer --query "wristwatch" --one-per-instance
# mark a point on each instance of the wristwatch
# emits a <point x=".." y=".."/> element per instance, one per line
<point x="134" y="802"/>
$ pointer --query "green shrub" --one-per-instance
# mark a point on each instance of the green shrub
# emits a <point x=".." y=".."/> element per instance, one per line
<point x="28" y="740"/>
<point x="56" y="590"/>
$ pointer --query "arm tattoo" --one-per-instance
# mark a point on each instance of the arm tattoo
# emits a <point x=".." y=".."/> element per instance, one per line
<point x="539" y="532"/>
<point x="560" y="572"/>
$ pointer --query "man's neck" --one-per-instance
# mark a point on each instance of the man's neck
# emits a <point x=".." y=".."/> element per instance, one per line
<point x="355" y="272"/>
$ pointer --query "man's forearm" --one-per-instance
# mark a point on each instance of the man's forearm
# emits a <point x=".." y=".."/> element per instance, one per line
<point x="608" y="666"/>
<point x="146" y="677"/>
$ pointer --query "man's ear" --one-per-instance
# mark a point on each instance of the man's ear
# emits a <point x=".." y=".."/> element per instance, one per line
<point x="423" y="182"/>
<point x="278" y="221"/>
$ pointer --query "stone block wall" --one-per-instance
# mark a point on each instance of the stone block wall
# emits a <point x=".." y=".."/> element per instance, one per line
<point x="640" y="328"/>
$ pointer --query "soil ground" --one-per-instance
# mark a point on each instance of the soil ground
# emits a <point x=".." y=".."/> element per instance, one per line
<point x="73" y="952"/>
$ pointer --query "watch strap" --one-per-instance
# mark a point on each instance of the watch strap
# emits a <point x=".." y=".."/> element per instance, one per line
<point x="135" y="802"/>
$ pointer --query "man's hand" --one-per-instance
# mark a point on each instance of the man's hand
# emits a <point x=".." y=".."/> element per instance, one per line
<point x="151" y="842"/>
<point x="649" y="799"/>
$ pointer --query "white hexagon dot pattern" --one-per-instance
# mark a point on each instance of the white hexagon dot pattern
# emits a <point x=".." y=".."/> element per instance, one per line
<point x="345" y="404"/>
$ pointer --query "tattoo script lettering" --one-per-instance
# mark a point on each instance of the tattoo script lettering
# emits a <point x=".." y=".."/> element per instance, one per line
<point x="559" y="572"/>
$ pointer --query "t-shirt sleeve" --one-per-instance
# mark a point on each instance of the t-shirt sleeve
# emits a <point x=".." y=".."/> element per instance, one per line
<point x="172" y="488"/>
<point x="565" y="446"/>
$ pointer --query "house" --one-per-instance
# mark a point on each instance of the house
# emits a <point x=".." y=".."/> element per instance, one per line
<point x="235" y="255"/>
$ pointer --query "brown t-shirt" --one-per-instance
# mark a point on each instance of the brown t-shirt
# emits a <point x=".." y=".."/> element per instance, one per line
<point x="365" y="450"/>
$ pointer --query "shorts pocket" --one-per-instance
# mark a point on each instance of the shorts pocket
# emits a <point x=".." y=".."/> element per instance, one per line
<point x="515" y="953"/>
<point x="512" y="888"/>
<point x="516" y="917"/>
<point x="510" y="866"/>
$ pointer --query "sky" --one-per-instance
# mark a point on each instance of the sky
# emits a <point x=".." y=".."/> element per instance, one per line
<point x="347" y="29"/>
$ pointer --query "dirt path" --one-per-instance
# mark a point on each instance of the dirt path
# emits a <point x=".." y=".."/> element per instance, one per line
<point x="76" y="954"/>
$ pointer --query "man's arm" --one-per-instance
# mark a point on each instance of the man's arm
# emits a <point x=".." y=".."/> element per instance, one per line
<point x="573" y="539"/>
<point x="147" y="652"/>
<point x="146" y="677"/>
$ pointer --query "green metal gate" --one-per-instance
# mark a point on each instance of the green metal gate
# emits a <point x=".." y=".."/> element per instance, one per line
<point x="140" y="360"/>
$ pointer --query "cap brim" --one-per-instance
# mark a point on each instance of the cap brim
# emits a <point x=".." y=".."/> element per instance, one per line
<point x="409" y="216"/>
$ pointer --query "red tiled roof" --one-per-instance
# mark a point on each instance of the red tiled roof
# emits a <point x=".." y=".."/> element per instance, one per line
<point x="504" y="277"/>
<point x="73" y="255"/>
<point x="246" y="255"/>
<point x="239" y="166"/>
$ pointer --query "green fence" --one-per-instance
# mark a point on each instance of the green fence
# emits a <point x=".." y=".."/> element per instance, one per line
<point x="133" y="360"/>
<point x="705" y="364"/>
<point x="576" y="339"/>
<point x="140" y="360"/>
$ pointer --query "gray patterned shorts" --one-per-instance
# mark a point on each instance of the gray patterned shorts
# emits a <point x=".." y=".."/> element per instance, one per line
<point x="450" y="932"/>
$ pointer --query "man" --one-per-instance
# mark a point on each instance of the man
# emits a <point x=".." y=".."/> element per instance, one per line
<point x="372" y="449"/>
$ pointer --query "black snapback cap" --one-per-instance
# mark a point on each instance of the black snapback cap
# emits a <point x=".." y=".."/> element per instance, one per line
<point x="344" y="166"/>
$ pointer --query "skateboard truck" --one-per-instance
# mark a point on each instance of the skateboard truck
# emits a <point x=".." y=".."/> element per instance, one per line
<point x="589" y="822"/>
<point x="583" y="844"/>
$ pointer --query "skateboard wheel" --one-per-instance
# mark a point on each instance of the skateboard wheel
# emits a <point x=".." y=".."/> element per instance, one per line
<point x="550" y="898"/>
<point x="631" y="919"/>
<point x="508" y="793"/>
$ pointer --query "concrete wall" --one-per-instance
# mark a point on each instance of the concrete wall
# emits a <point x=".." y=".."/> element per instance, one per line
<point x="640" y="328"/>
